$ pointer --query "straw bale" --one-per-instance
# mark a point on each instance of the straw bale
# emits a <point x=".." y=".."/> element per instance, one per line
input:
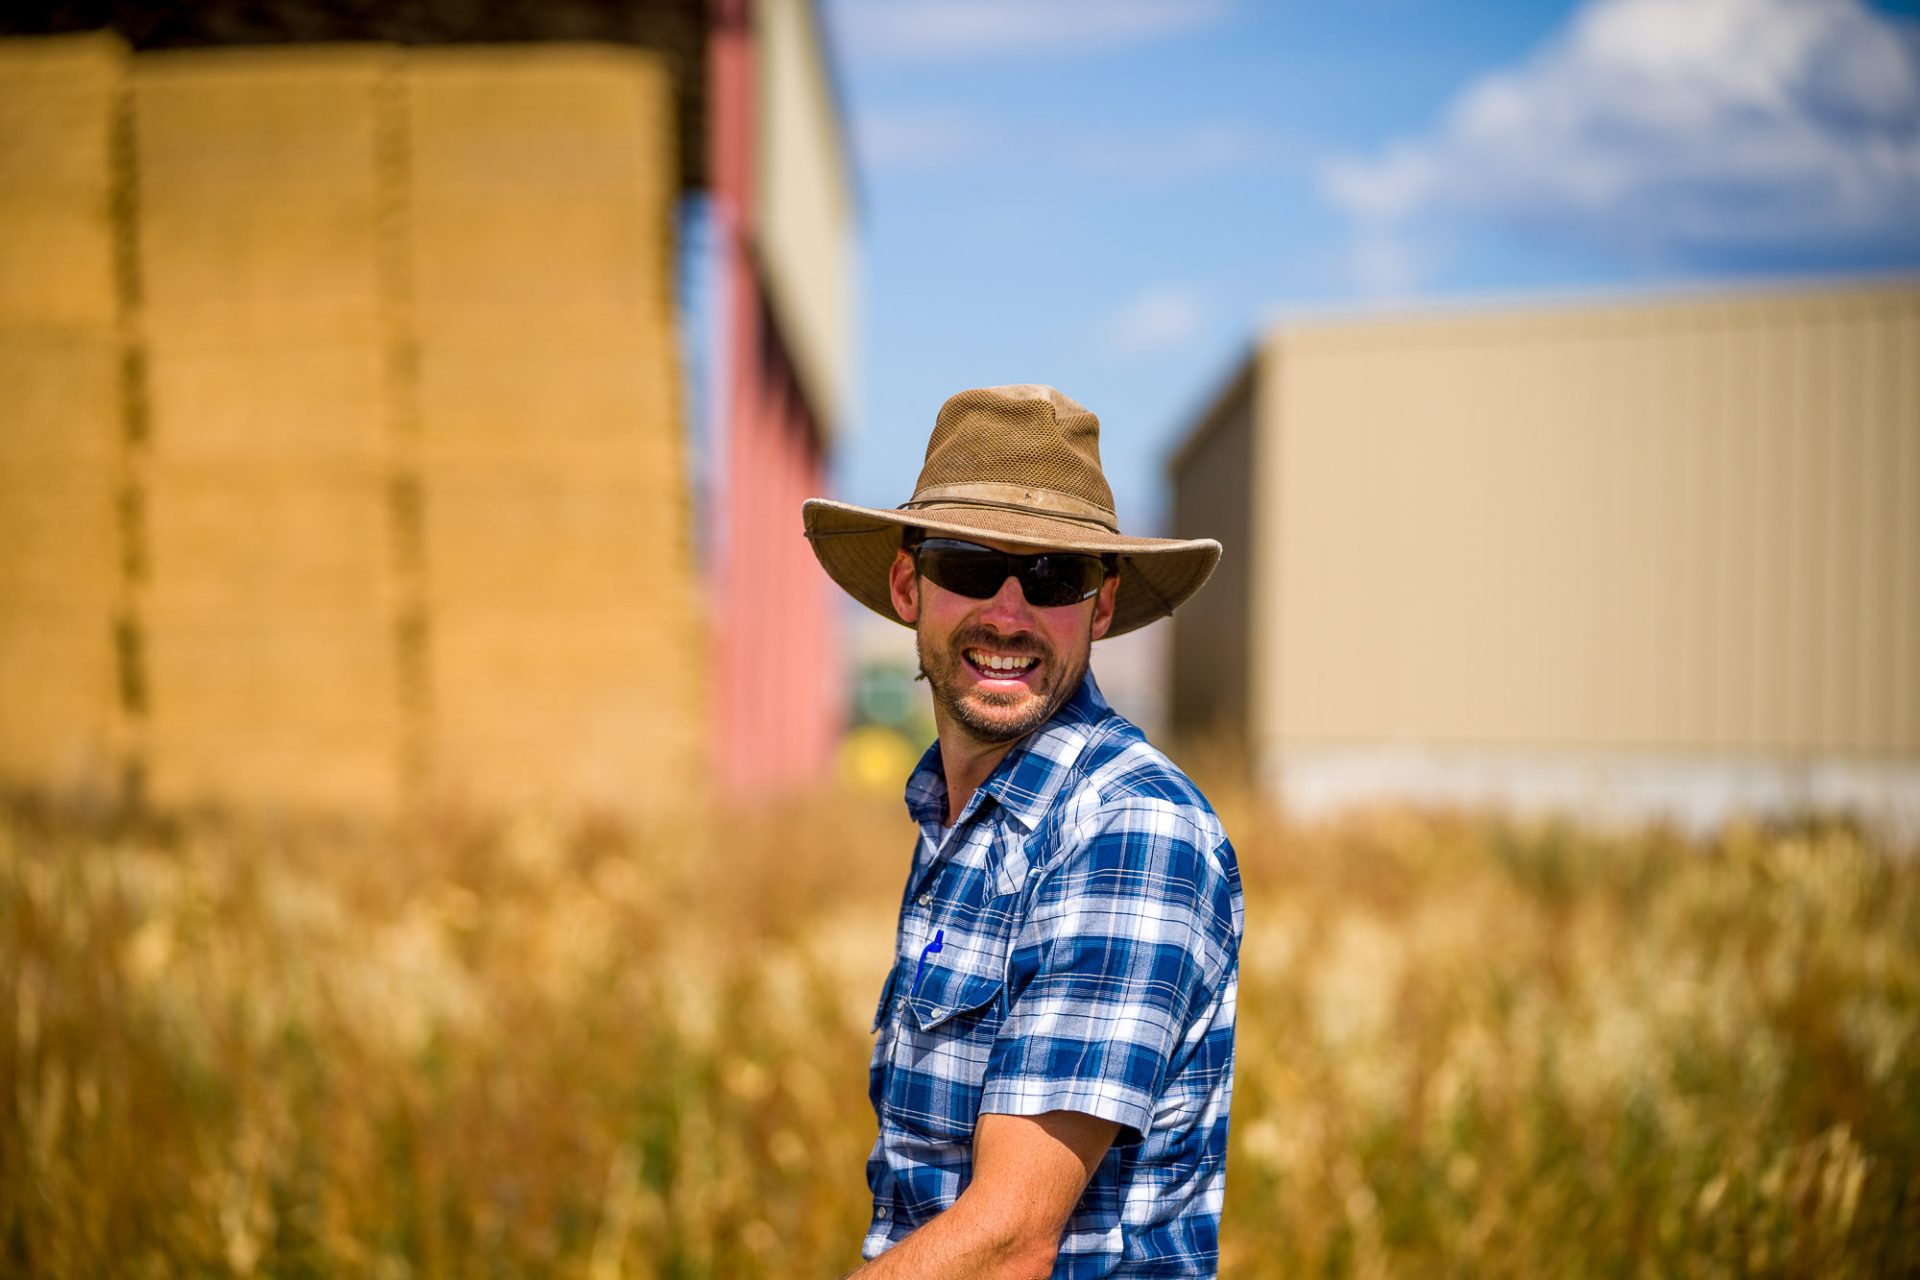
<point x="299" y="709"/>
<point x="259" y="193"/>
<point x="554" y="480"/>
<point x="56" y="181"/>
<point x="59" y="690"/>
<point x="232" y="545"/>
<point x="521" y="654"/>
<point x="59" y="402"/>
<point x="543" y="182"/>
<point x="316" y="408"/>
<point x="564" y="655"/>
<point x="601" y="710"/>
<point x="610" y="407"/>
<point x="59" y="543"/>
<point x="511" y="543"/>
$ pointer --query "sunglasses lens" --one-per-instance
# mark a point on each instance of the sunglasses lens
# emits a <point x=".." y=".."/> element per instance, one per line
<point x="1047" y="581"/>
<point x="974" y="572"/>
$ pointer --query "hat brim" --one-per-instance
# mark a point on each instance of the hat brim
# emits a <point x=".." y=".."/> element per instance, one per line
<point x="856" y="546"/>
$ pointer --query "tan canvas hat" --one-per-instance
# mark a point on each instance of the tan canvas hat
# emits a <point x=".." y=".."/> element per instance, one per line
<point x="1019" y="465"/>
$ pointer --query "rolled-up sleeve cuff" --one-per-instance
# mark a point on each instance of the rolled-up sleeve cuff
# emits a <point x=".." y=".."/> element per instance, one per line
<point x="1129" y="1108"/>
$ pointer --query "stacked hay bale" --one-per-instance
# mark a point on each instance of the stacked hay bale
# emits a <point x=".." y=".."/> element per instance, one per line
<point x="564" y="647"/>
<point x="61" y="416"/>
<point x="340" y="457"/>
<point x="268" y="617"/>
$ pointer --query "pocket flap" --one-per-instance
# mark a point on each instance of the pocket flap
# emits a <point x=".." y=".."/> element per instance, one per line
<point x="945" y="992"/>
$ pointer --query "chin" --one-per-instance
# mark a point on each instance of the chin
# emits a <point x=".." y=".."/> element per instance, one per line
<point x="995" y="721"/>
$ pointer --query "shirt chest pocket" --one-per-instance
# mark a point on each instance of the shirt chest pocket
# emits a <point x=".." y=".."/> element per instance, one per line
<point x="942" y="1044"/>
<point x="943" y="1008"/>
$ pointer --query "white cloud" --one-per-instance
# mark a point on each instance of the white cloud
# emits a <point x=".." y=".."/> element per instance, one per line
<point x="958" y="29"/>
<point x="1677" y="128"/>
<point x="918" y="138"/>
<point x="1385" y="264"/>
<point x="1154" y="321"/>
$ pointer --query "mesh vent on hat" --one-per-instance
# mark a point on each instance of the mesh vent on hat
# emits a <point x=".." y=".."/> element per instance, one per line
<point x="1018" y="435"/>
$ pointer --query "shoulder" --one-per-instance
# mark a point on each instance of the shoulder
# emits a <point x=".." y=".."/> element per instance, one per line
<point x="1120" y="773"/>
<point x="1131" y="812"/>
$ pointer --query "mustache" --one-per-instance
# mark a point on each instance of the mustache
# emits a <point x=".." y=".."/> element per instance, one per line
<point x="1019" y="645"/>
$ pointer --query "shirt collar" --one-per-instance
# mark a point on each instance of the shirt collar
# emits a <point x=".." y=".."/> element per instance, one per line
<point x="927" y="789"/>
<point x="1029" y="777"/>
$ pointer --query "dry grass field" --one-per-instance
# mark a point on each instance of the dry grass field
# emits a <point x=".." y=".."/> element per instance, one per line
<point x="1466" y="1048"/>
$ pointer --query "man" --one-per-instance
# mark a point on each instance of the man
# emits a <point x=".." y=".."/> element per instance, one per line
<point x="1055" y="1049"/>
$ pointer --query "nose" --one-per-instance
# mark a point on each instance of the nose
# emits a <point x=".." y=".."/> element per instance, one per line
<point x="1008" y="609"/>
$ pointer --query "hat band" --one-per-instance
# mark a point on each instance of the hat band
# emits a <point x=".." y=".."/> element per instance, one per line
<point x="1014" y="497"/>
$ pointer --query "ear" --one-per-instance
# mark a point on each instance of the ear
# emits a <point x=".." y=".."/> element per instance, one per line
<point x="1103" y="605"/>
<point x="903" y="584"/>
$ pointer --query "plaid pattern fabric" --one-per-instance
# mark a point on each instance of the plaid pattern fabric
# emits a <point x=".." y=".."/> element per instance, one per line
<point x="1073" y="944"/>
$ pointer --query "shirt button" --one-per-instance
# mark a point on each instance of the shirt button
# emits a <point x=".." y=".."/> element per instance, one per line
<point x="925" y="899"/>
<point x="884" y="1211"/>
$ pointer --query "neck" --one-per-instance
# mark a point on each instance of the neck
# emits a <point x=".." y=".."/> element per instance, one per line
<point x="966" y="761"/>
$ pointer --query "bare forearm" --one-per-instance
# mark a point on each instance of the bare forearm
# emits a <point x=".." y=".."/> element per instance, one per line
<point x="1027" y="1173"/>
<point x="974" y="1238"/>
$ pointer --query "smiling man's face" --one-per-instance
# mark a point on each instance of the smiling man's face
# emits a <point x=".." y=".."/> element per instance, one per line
<point x="999" y="667"/>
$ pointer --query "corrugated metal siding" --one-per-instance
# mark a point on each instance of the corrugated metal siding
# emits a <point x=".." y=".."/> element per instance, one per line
<point x="1212" y="498"/>
<point x="777" y="694"/>
<point x="803" y="203"/>
<point x="780" y="694"/>
<point x="1685" y="525"/>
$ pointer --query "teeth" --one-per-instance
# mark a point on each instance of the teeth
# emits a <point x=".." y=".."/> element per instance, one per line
<point x="996" y="662"/>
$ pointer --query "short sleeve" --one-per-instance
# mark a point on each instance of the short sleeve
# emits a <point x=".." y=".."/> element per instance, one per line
<point x="1128" y="935"/>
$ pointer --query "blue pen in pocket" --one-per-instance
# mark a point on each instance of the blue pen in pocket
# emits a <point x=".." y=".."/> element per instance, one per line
<point x="921" y="968"/>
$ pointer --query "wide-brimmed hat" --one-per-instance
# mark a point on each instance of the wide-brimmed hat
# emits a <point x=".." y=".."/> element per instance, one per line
<point x="1018" y="465"/>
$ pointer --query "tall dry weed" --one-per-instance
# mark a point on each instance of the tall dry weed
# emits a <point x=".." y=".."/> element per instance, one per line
<point x="1465" y="1047"/>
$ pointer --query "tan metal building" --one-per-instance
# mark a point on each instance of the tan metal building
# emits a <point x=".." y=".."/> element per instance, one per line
<point x="1656" y="555"/>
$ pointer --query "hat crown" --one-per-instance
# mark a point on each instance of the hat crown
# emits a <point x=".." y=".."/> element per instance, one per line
<point x="1024" y="437"/>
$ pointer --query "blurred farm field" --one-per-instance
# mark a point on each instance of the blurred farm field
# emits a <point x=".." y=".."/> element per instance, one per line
<point x="1466" y="1047"/>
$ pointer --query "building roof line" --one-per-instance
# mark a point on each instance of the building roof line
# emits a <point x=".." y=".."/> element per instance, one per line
<point x="1225" y="388"/>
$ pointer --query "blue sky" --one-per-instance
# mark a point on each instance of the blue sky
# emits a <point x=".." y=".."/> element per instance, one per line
<point x="1116" y="196"/>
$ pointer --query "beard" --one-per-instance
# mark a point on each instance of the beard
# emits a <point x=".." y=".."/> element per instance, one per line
<point x="991" y="716"/>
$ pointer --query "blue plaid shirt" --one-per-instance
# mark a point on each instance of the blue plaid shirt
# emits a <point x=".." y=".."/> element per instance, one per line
<point x="1072" y="944"/>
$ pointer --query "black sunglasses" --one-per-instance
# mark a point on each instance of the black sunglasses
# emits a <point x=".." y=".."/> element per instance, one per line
<point x="1048" y="580"/>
